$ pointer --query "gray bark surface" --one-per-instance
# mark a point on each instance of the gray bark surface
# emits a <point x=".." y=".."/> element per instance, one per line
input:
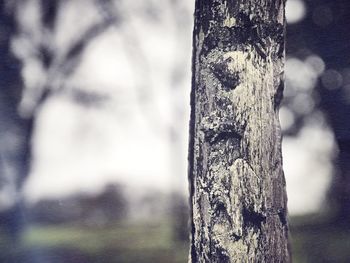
<point x="237" y="186"/>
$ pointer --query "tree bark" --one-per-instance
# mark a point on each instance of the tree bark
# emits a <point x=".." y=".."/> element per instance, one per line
<point x="237" y="185"/>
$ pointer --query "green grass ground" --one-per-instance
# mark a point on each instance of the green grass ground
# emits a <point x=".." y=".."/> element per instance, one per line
<point x="115" y="243"/>
<point x="122" y="242"/>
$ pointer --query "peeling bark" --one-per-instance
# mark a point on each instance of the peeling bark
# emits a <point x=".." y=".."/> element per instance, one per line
<point x="237" y="186"/>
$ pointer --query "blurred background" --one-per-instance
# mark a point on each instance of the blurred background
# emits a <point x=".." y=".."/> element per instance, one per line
<point x="94" y="109"/>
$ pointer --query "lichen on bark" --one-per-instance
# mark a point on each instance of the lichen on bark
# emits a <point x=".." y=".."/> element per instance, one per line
<point x="237" y="186"/>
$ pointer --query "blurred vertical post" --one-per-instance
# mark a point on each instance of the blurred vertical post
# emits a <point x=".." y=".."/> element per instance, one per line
<point x="178" y="77"/>
<point x="15" y="131"/>
<point x="237" y="185"/>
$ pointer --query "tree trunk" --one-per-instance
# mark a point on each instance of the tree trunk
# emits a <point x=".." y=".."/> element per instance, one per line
<point x="237" y="186"/>
<point x="15" y="157"/>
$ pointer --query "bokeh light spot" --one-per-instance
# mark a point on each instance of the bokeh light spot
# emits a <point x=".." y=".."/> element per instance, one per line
<point x="295" y="11"/>
<point x="322" y="16"/>
<point x="332" y="79"/>
<point x="316" y="63"/>
<point x="286" y="118"/>
<point x="300" y="75"/>
<point x="303" y="103"/>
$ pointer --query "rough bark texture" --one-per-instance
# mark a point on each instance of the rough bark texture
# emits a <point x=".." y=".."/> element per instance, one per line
<point x="237" y="185"/>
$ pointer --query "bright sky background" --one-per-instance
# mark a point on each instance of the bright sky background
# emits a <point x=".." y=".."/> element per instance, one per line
<point x="127" y="140"/>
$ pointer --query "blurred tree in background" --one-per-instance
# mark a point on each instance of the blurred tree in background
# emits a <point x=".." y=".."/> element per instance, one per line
<point x="319" y="45"/>
<point x="34" y="68"/>
<point x="14" y="137"/>
<point x="42" y="55"/>
<point x="323" y="38"/>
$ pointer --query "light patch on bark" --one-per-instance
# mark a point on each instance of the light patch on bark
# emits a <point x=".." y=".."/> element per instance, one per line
<point x="229" y="21"/>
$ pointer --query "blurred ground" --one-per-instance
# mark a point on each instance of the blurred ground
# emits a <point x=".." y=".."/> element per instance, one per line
<point x="311" y="240"/>
<point x="119" y="242"/>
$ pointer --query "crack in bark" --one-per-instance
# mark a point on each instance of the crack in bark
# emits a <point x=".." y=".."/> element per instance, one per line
<point x="252" y="218"/>
<point x="216" y="130"/>
<point x="229" y="80"/>
<point x="283" y="218"/>
<point x="279" y="95"/>
<point x="214" y="138"/>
